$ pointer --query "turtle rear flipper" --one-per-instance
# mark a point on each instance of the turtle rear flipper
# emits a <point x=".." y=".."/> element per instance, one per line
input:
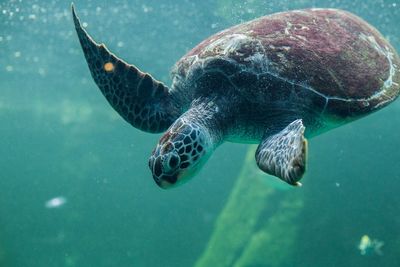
<point x="140" y="99"/>
<point x="284" y="154"/>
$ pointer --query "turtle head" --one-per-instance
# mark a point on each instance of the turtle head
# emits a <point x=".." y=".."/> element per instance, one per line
<point x="180" y="153"/>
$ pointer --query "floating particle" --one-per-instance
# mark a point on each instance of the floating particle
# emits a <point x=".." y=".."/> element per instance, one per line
<point x="56" y="202"/>
<point x="42" y="72"/>
<point x="17" y="54"/>
<point x="146" y="9"/>
<point x="9" y="68"/>
<point x="120" y="44"/>
<point x="84" y="24"/>
<point x="32" y="16"/>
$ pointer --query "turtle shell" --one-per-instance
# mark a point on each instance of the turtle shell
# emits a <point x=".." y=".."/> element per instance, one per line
<point x="331" y="53"/>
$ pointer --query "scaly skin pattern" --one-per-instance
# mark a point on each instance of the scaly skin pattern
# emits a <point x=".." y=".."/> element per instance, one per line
<point x="178" y="149"/>
<point x="329" y="60"/>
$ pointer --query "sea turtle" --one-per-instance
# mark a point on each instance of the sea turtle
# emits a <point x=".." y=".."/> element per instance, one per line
<point x="271" y="81"/>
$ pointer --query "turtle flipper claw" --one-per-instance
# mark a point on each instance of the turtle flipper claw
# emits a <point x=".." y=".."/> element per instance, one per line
<point x="284" y="154"/>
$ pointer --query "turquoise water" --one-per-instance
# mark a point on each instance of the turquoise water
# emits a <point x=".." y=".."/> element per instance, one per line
<point x="61" y="142"/>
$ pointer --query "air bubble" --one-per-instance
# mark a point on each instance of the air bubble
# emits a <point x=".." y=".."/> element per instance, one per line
<point x="42" y="72"/>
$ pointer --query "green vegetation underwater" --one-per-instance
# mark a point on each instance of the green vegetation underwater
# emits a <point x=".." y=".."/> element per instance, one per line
<point x="75" y="187"/>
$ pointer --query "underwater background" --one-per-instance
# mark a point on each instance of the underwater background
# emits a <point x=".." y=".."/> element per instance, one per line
<point x="75" y="188"/>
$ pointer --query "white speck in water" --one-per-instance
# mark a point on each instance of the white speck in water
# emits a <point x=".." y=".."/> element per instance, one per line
<point x="120" y="44"/>
<point x="56" y="202"/>
<point x="17" y="54"/>
<point x="42" y="72"/>
<point x="337" y="184"/>
<point x="214" y="25"/>
<point x="8" y="37"/>
<point x="4" y="11"/>
<point x="146" y="9"/>
<point x="394" y="5"/>
<point x="35" y="59"/>
<point x="1" y="38"/>
<point x="9" y="68"/>
<point x="98" y="9"/>
<point x="84" y="24"/>
<point x="32" y="16"/>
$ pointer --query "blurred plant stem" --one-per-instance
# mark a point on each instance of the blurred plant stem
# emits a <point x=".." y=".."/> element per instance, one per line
<point x="257" y="226"/>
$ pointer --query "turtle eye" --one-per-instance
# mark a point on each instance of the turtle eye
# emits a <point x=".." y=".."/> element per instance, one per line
<point x="173" y="161"/>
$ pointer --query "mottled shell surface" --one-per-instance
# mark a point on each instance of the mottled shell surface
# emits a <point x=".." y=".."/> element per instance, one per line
<point x="340" y="64"/>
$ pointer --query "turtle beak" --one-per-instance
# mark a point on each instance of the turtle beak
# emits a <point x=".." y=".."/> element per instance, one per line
<point x="166" y="181"/>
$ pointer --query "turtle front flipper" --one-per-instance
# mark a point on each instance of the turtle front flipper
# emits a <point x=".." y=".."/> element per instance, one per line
<point x="141" y="100"/>
<point x="284" y="154"/>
